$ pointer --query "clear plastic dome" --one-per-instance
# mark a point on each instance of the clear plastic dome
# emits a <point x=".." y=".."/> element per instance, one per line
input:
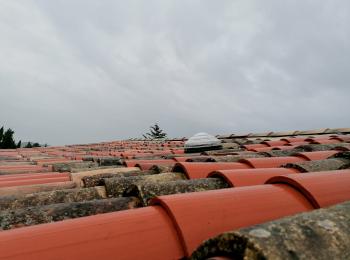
<point x="202" y="140"/>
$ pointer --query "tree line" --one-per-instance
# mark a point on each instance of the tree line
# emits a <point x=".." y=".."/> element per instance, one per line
<point x="7" y="140"/>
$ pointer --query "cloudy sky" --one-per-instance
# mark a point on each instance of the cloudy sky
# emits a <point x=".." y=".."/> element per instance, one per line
<point x="83" y="71"/>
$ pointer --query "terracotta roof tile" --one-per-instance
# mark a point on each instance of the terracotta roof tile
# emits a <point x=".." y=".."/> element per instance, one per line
<point x="338" y="130"/>
<point x="312" y="132"/>
<point x="275" y="143"/>
<point x="319" y="155"/>
<point x="86" y="238"/>
<point x="196" y="215"/>
<point x="132" y="163"/>
<point x="318" y="187"/>
<point x="320" y="165"/>
<point x="284" y="133"/>
<point x="254" y="178"/>
<point x="27" y="189"/>
<point x="287" y="238"/>
<point x="148" y="166"/>
<point x="270" y="162"/>
<point x="32" y="176"/>
<point x="249" y="177"/>
<point x="201" y="170"/>
<point x="260" y="134"/>
<point x="31" y="181"/>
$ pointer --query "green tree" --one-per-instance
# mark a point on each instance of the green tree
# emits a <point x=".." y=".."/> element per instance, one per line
<point x="156" y="132"/>
<point x="7" y="141"/>
<point x="1" y="134"/>
<point x="29" y="145"/>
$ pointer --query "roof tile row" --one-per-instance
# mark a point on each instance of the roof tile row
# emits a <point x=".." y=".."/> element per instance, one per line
<point x="250" y="181"/>
<point x="195" y="216"/>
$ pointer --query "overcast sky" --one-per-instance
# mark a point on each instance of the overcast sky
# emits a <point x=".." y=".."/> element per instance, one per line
<point x="84" y="71"/>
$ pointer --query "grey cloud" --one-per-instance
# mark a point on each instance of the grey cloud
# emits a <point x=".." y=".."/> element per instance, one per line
<point x="85" y="71"/>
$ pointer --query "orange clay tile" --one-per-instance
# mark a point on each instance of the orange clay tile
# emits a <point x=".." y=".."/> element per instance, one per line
<point x="294" y="139"/>
<point x="322" y="189"/>
<point x="201" y="215"/>
<point x="145" y="233"/>
<point x="253" y="146"/>
<point x="33" y="176"/>
<point x="319" y="155"/>
<point x="248" y="177"/>
<point x="275" y="143"/>
<point x="147" y="166"/>
<point x="33" y="181"/>
<point x="132" y="163"/>
<point x="270" y="162"/>
<point x="342" y="138"/>
<point x="195" y="170"/>
<point x="325" y="141"/>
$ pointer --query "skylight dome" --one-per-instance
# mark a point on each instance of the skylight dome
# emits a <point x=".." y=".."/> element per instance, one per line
<point x="202" y="140"/>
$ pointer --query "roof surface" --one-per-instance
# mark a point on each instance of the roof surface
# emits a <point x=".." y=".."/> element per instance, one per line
<point x="149" y="199"/>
